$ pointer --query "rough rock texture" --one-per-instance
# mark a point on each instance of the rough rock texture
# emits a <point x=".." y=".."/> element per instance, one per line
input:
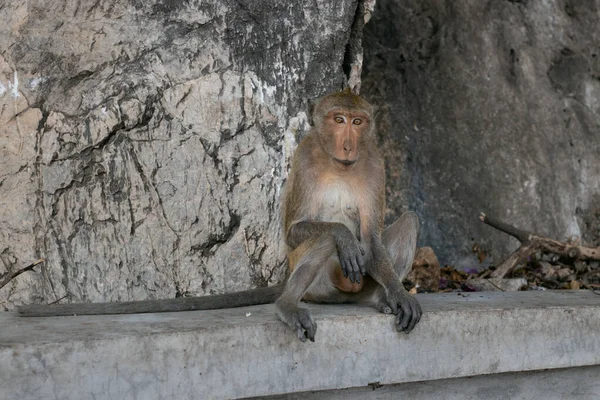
<point x="493" y="106"/>
<point x="143" y="145"/>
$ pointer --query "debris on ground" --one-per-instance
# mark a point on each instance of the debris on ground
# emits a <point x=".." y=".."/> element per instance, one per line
<point x="542" y="271"/>
<point x="425" y="272"/>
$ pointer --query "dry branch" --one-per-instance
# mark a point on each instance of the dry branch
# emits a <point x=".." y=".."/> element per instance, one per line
<point x="9" y="276"/>
<point x="532" y="243"/>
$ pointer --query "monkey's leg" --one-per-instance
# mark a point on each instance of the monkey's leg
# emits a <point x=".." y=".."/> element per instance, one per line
<point x="393" y="255"/>
<point x="400" y="240"/>
<point x="307" y="262"/>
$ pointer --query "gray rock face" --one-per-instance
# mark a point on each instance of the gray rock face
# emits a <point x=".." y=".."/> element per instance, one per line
<point x="491" y="106"/>
<point x="143" y="145"/>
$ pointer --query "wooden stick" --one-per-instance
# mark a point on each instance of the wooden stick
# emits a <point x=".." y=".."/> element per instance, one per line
<point x="531" y="243"/>
<point x="521" y="235"/>
<point x="516" y="258"/>
<point x="9" y="276"/>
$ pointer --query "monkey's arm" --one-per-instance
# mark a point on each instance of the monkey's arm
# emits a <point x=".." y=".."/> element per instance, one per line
<point x="350" y="252"/>
<point x="229" y="300"/>
<point x="301" y="231"/>
<point x="400" y="301"/>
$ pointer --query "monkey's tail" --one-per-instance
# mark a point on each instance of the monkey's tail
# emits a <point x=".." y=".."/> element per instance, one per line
<point x="250" y="297"/>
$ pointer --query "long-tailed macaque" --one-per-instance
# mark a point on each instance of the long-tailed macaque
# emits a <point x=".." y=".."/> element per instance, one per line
<point x="333" y="213"/>
<point x="333" y="220"/>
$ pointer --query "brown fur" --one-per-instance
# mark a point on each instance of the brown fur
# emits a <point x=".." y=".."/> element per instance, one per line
<point x="335" y="202"/>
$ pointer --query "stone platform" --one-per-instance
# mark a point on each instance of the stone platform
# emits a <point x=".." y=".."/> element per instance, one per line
<point x="244" y="352"/>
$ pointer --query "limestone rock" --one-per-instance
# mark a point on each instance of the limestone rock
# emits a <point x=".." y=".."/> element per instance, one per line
<point x="144" y="145"/>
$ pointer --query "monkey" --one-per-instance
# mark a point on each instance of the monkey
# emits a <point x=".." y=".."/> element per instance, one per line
<point x="333" y="214"/>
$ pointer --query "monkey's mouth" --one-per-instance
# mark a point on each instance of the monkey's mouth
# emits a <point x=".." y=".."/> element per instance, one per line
<point x="345" y="162"/>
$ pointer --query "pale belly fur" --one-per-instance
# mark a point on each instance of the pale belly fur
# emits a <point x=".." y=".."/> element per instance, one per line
<point x="339" y="205"/>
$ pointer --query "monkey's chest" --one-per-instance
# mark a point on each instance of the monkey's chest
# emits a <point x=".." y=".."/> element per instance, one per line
<point x="340" y="205"/>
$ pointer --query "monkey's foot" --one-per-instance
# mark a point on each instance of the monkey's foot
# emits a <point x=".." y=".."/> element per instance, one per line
<point x="300" y="320"/>
<point x="406" y="307"/>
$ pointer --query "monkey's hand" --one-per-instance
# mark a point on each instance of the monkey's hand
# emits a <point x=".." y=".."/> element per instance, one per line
<point x="351" y="254"/>
<point x="299" y="319"/>
<point x="405" y="306"/>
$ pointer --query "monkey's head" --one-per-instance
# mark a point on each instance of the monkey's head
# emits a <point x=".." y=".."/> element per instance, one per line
<point x="343" y="122"/>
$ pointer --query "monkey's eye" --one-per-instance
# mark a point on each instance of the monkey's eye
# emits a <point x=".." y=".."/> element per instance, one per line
<point x="339" y="120"/>
<point x="357" y="121"/>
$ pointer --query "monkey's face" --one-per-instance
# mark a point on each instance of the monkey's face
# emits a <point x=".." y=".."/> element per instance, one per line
<point x="342" y="132"/>
<point x="343" y="123"/>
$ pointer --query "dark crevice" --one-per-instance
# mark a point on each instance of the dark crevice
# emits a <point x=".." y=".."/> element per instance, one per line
<point x="212" y="152"/>
<point x="512" y="67"/>
<point x="354" y="48"/>
<point x="206" y="249"/>
<point x="89" y="150"/>
<point x="77" y="79"/>
<point x="40" y="225"/>
<point x="257" y="278"/>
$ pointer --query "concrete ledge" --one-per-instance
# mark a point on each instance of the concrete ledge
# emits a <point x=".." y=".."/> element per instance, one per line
<point x="552" y="384"/>
<point x="248" y="352"/>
